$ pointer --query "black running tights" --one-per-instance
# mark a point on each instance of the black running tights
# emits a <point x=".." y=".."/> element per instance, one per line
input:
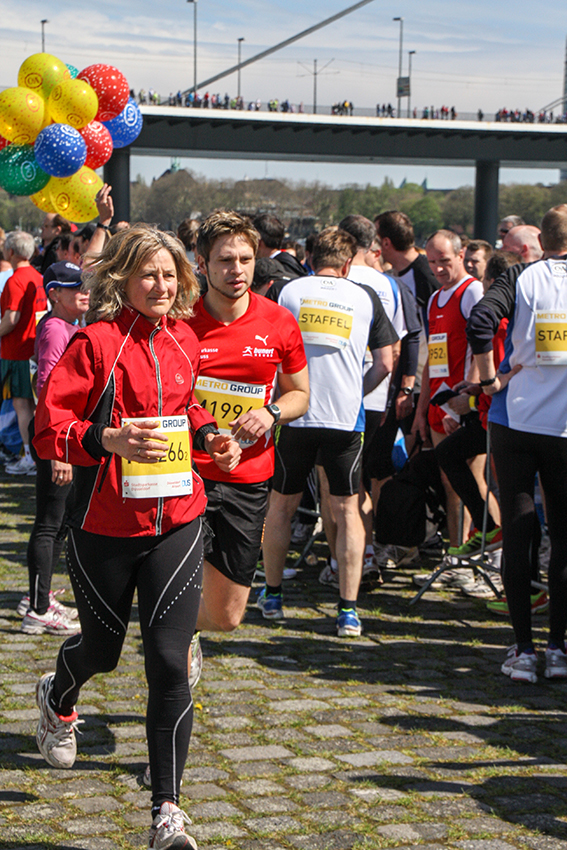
<point x="518" y="456"/>
<point x="166" y="571"/>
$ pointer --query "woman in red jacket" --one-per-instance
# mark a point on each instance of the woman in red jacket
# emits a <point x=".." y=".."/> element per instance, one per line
<point x="119" y="406"/>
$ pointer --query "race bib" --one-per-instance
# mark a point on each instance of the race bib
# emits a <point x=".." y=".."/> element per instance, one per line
<point x="227" y="400"/>
<point x="438" y="356"/>
<point x="325" y="322"/>
<point x="170" y="476"/>
<point x="551" y="338"/>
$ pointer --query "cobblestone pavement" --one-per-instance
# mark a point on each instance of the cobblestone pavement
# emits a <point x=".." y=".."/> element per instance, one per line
<point x="408" y="737"/>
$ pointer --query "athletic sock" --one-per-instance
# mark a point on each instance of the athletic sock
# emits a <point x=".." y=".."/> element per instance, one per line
<point x="525" y="647"/>
<point x="347" y="604"/>
<point x="369" y="550"/>
<point x="27" y="453"/>
<point x="273" y="591"/>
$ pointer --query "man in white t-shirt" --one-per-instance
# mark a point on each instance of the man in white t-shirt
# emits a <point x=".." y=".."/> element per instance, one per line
<point x="338" y="320"/>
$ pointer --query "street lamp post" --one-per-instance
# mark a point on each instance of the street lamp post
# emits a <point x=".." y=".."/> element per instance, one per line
<point x="410" y="54"/>
<point x="43" y="23"/>
<point x="240" y="40"/>
<point x="194" y="2"/>
<point x="401" y="20"/>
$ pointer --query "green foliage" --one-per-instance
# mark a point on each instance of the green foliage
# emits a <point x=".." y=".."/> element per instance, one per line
<point x="529" y="202"/>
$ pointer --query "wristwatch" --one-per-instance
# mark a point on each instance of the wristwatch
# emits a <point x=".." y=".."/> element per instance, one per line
<point x="275" y="411"/>
<point x="406" y="390"/>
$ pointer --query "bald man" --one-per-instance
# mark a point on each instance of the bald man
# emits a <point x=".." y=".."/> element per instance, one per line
<point x="524" y="242"/>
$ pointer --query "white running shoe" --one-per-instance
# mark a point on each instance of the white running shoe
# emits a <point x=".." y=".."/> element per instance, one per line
<point x="458" y="577"/>
<point x="555" y="664"/>
<point x="328" y="576"/>
<point x="53" y="622"/>
<point x="21" y="466"/>
<point x="55" y="735"/>
<point x="522" y="667"/>
<point x="389" y="557"/>
<point x="71" y="613"/>
<point x="168" y="830"/>
<point x="371" y="569"/>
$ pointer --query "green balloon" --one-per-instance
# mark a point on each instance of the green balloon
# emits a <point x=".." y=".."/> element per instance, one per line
<point x="73" y="71"/>
<point x="19" y="172"/>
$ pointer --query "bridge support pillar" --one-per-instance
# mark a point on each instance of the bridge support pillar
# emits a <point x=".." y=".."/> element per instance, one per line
<point x="117" y="174"/>
<point x="486" y="200"/>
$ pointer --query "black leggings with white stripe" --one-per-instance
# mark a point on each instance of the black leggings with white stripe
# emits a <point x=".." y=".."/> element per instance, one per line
<point x="166" y="571"/>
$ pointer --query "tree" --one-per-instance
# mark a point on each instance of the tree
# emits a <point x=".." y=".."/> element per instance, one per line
<point x="426" y="217"/>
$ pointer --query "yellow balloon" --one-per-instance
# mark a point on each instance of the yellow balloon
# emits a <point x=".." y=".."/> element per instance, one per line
<point x="42" y="200"/>
<point x="73" y="102"/>
<point x="42" y="72"/>
<point x="21" y="115"/>
<point x="74" y="197"/>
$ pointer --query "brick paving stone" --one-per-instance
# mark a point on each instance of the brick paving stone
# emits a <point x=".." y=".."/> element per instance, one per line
<point x="339" y="840"/>
<point x="203" y="774"/>
<point x="272" y="751"/>
<point x="369" y="795"/>
<point x="205" y="791"/>
<point x="270" y="805"/>
<point x="329" y="730"/>
<point x="219" y="829"/>
<point x="399" y="832"/>
<point x="311" y="764"/>
<point x="88" y="826"/>
<point x="308" y="782"/>
<point x="283" y="823"/>
<point x="326" y="799"/>
<point x="218" y="809"/>
<point x="258" y="768"/>
<point x="375" y="757"/>
<point x="256" y="786"/>
<point x="93" y="805"/>
<point x="484" y="844"/>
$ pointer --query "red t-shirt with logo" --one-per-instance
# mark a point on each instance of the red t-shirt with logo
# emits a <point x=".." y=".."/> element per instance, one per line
<point x="239" y="366"/>
<point x="23" y="293"/>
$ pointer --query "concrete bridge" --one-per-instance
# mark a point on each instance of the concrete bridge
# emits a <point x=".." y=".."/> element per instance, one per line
<point x="230" y="134"/>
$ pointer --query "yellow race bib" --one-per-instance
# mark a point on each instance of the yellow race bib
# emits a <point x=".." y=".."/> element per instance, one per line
<point x="551" y="338"/>
<point x="323" y="322"/>
<point x="226" y="400"/>
<point x="438" y="356"/>
<point x="171" y="476"/>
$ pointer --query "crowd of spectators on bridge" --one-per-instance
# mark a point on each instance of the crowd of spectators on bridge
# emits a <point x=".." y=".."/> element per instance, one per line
<point x="191" y="99"/>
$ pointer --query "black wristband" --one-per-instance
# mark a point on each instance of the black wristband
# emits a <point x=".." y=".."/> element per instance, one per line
<point x="201" y="433"/>
<point x="488" y="382"/>
<point x="103" y="226"/>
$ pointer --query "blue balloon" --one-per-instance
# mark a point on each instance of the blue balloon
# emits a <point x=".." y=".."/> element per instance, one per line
<point x="73" y="71"/>
<point x="60" y="150"/>
<point x="127" y="126"/>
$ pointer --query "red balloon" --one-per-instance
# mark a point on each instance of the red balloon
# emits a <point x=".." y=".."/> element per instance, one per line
<point x="99" y="144"/>
<point x="3" y="142"/>
<point x="111" y="87"/>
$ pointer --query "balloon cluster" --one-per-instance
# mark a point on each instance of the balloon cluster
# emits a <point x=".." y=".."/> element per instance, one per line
<point x="57" y="126"/>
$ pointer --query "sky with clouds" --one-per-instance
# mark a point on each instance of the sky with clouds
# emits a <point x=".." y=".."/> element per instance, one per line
<point x="478" y="54"/>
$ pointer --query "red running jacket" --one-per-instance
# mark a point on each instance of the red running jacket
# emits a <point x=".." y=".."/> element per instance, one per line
<point x="125" y="368"/>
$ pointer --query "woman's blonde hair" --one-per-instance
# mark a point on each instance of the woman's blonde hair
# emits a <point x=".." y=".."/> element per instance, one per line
<point x="123" y="256"/>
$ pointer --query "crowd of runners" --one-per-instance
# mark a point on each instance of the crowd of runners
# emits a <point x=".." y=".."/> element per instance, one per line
<point x="198" y="402"/>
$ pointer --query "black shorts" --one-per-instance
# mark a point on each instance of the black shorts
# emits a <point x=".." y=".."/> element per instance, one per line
<point x="235" y="515"/>
<point x="338" y="452"/>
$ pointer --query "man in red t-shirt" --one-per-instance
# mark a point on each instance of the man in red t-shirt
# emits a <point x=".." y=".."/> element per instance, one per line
<point x="253" y="375"/>
<point x="450" y="360"/>
<point x="22" y="304"/>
